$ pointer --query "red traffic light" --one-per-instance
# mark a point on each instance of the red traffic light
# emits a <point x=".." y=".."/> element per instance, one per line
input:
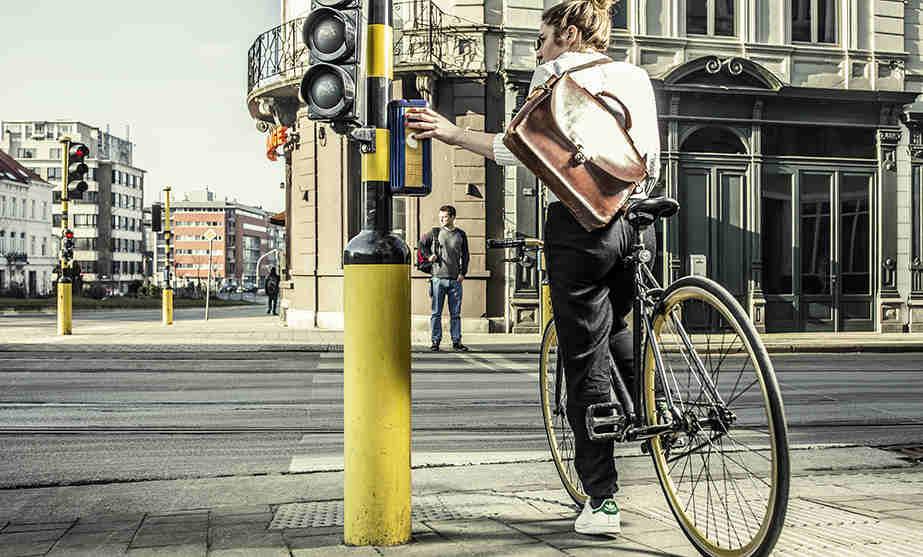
<point x="79" y="150"/>
<point x="69" y="234"/>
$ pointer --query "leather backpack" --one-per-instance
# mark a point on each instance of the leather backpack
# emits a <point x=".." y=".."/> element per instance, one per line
<point x="576" y="143"/>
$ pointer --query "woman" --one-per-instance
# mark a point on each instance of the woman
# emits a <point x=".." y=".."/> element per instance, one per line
<point x="591" y="291"/>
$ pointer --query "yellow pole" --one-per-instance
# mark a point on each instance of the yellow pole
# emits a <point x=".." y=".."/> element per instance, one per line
<point x="65" y="289"/>
<point x="168" y="264"/>
<point x="376" y="307"/>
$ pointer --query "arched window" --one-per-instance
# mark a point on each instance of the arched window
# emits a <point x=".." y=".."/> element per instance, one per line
<point x="714" y="140"/>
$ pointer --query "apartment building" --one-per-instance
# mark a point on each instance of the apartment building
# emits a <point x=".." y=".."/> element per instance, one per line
<point x="107" y="222"/>
<point x="242" y="235"/>
<point x="790" y="134"/>
<point x="27" y="248"/>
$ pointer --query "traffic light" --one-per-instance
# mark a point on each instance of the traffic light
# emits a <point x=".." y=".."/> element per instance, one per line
<point x="67" y="244"/>
<point x="77" y="170"/>
<point x="333" y="33"/>
<point x="156" y="217"/>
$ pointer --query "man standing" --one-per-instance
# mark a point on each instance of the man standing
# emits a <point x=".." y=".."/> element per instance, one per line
<point x="272" y="291"/>
<point x="450" y="265"/>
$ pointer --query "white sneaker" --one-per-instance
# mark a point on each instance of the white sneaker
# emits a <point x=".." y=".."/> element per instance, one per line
<point x="604" y="519"/>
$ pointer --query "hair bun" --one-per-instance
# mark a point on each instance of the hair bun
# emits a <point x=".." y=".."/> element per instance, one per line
<point x="602" y="5"/>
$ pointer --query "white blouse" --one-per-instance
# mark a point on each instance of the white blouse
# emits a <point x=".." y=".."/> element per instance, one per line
<point x="628" y="82"/>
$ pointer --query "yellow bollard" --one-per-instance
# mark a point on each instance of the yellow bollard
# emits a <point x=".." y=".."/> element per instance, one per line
<point x="65" y="306"/>
<point x="167" y="306"/>
<point x="376" y="408"/>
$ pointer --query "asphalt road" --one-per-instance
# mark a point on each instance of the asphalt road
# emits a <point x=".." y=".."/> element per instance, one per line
<point x="78" y="417"/>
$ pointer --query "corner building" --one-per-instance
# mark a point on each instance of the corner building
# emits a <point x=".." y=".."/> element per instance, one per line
<point x="790" y="134"/>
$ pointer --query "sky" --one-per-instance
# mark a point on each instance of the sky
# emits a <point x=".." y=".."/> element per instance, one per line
<point x="175" y="71"/>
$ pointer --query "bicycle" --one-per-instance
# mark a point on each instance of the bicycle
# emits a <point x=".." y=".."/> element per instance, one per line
<point x="689" y="416"/>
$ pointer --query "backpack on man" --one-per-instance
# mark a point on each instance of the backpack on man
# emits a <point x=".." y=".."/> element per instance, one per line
<point x="423" y="263"/>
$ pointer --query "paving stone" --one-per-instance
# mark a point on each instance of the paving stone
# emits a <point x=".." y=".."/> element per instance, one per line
<point x="623" y="547"/>
<point x="311" y="542"/>
<point x="96" y="538"/>
<point x="248" y="509"/>
<point x="479" y="530"/>
<point x="912" y="514"/>
<point x="171" y="537"/>
<point x="30" y="537"/>
<point x="183" y="518"/>
<point x="567" y="540"/>
<point x="253" y="518"/>
<point x="25" y="548"/>
<point x="187" y="550"/>
<point x="104" y="550"/>
<point x="317" y="531"/>
<point x="104" y="526"/>
<point x="226" y="537"/>
<point x="250" y="552"/>
<point x="14" y="527"/>
<point x="877" y="505"/>
<point x="337" y="551"/>
<point x="543" y="527"/>
<point x="525" y="550"/>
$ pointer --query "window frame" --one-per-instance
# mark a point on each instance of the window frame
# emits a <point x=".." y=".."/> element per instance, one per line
<point x="813" y="25"/>
<point x="711" y="18"/>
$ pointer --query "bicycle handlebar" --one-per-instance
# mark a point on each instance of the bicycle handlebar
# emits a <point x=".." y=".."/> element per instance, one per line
<point x="517" y="243"/>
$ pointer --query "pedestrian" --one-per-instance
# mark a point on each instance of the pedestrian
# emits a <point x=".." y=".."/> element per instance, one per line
<point x="272" y="291"/>
<point x="591" y="291"/>
<point x="450" y="266"/>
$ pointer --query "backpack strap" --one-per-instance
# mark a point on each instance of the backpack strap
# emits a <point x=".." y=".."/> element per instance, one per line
<point x="436" y="240"/>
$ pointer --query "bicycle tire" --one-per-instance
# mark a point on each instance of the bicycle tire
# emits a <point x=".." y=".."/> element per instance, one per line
<point x="557" y="428"/>
<point x="768" y="487"/>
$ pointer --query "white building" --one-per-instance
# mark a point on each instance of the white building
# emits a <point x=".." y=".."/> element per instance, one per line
<point x="107" y="222"/>
<point x="27" y="249"/>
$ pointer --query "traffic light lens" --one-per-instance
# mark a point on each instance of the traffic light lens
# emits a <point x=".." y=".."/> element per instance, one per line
<point x="329" y="35"/>
<point x="327" y="90"/>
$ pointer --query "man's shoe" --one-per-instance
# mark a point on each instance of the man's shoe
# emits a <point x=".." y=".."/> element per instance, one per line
<point x="459" y="347"/>
<point x="434" y="347"/>
<point x="602" y="520"/>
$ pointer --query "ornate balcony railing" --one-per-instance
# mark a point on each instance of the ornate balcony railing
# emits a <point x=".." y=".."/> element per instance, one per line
<point x="424" y="35"/>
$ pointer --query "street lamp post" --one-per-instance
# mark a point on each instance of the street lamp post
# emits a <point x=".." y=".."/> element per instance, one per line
<point x="210" y="236"/>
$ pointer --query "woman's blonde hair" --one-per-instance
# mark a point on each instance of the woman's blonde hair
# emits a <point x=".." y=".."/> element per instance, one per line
<point x="591" y="17"/>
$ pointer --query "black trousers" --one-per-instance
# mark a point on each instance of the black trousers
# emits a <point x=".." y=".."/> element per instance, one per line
<point x="273" y="303"/>
<point x="592" y="292"/>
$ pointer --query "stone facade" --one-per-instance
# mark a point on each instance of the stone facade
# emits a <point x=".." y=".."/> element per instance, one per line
<point x="767" y="117"/>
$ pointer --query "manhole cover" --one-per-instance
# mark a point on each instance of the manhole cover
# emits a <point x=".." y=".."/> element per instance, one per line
<point x="319" y="514"/>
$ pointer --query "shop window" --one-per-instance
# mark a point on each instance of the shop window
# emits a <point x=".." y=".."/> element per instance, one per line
<point x="806" y="141"/>
<point x="814" y="21"/>
<point x="714" y="140"/>
<point x="710" y="17"/>
<point x="776" y="233"/>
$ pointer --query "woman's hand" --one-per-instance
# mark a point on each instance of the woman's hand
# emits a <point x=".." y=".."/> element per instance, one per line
<point x="429" y="124"/>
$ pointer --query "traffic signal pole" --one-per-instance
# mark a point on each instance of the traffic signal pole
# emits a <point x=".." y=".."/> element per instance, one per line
<point x="376" y="276"/>
<point x="168" y="263"/>
<point x="65" y="288"/>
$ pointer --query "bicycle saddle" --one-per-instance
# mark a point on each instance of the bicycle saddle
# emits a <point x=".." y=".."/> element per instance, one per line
<point x="643" y="213"/>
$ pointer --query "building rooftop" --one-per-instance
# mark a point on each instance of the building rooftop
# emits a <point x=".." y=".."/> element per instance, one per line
<point x="10" y="169"/>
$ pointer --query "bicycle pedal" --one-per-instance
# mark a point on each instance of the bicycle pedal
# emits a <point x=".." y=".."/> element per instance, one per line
<point x="605" y="421"/>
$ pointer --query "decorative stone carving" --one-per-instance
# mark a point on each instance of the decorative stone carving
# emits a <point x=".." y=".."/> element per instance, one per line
<point x="733" y="66"/>
<point x="887" y="140"/>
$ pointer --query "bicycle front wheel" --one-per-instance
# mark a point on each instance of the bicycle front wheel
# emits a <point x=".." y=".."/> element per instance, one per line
<point x="725" y="471"/>
<point x="554" y="405"/>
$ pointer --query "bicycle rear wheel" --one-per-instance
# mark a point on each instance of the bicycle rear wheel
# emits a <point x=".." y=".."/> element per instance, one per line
<point x="554" y="404"/>
<point x="726" y="474"/>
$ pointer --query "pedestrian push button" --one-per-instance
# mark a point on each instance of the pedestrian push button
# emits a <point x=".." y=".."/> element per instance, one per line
<point x="411" y="158"/>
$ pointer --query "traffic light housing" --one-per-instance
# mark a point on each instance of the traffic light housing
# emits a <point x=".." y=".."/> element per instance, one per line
<point x="67" y="244"/>
<point x="332" y="87"/>
<point x="77" y="170"/>
<point x="156" y="217"/>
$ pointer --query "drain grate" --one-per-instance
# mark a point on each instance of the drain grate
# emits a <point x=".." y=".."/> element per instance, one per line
<point x="320" y="514"/>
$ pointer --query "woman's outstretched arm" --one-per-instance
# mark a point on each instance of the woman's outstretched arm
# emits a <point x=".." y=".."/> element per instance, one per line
<point x="429" y="124"/>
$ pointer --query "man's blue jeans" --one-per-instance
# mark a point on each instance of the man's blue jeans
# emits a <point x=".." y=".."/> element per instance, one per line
<point x="441" y="288"/>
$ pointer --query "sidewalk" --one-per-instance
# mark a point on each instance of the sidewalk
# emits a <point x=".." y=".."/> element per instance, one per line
<point x="261" y="332"/>
<point x="866" y="502"/>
